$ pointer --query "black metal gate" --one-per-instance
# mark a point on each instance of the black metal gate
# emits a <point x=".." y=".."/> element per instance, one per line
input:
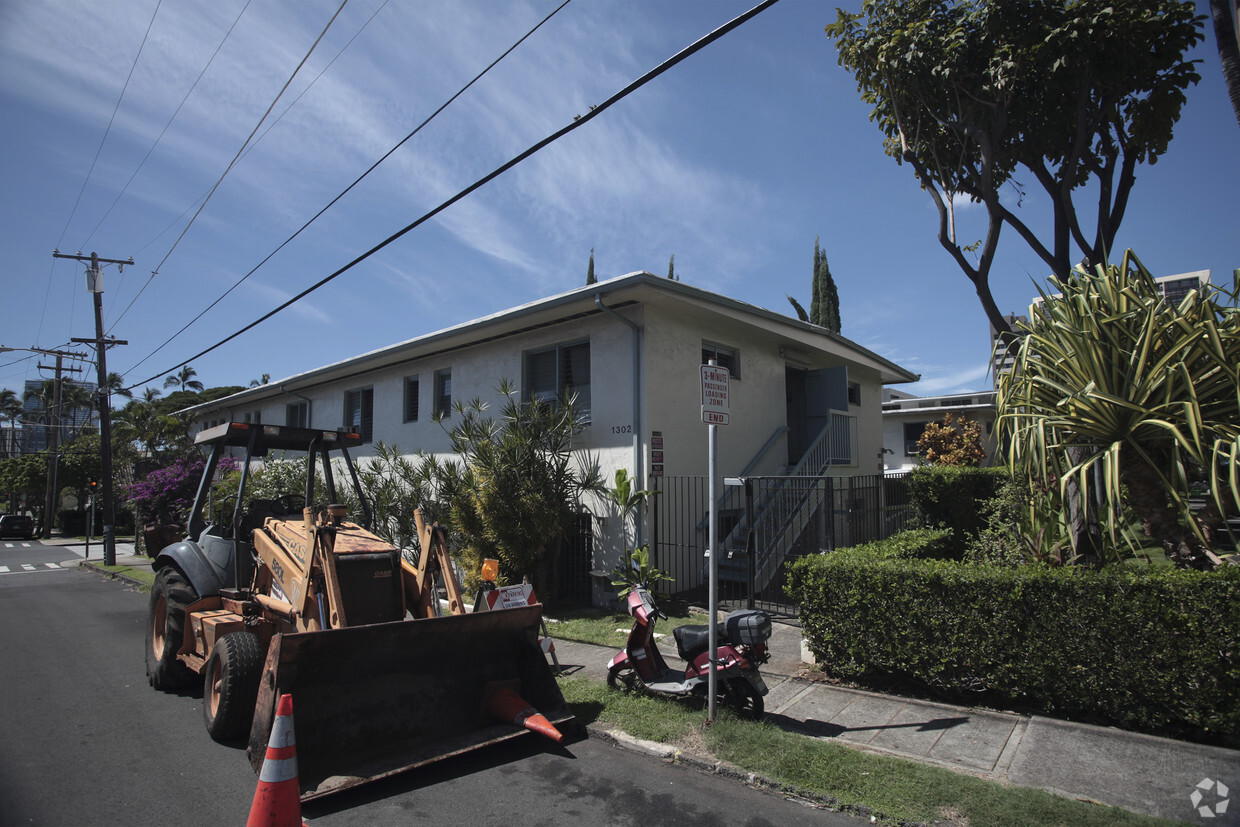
<point x="763" y="523"/>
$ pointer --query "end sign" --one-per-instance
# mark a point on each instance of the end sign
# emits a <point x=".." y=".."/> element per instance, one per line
<point x="715" y="395"/>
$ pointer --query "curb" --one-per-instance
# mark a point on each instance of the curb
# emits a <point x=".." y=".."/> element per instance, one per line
<point x="673" y="755"/>
<point x="87" y="564"/>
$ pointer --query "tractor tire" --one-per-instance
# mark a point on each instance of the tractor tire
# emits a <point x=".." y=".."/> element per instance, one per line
<point x="165" y="629"/>
<point x="230" y="686"/>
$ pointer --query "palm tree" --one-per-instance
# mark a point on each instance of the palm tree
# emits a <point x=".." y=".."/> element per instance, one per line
<point x="116" y="386"/>
<point x="183" y="380"/>
<point x="1121" y="397"/>
<point x="255" y="383"/>
<point x="10" y="408"/>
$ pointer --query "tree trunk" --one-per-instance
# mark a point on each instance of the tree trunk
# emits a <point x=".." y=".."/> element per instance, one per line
<point x="1224" y="15"/>
<point x="1082" y="516"/>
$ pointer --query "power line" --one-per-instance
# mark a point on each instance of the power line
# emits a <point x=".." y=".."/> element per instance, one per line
<point x="111" y="120"/>
<point x="91" y="171"/>
<point x="266" y="131"/>
<point x="233" y="162"/>
<point x="578" y="121"/>
<point x="164" y="131"/>
<point x="358" y="180"/>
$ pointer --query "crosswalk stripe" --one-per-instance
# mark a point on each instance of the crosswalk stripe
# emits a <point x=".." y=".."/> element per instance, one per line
<point x="28" y="567"/>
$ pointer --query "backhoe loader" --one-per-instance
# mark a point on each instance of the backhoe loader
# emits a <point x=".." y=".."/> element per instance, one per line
<point x="289" y="595"/>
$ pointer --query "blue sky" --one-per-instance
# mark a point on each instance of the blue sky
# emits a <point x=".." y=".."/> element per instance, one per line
<point x="734" y="161"/>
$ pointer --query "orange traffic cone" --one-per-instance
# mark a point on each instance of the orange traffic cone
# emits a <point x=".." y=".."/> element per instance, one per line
<point x="508" y="706"/>
<point x="277" y="801"/>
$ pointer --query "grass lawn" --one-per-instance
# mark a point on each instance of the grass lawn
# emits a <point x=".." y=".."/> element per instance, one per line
<point x="892" y="790"/>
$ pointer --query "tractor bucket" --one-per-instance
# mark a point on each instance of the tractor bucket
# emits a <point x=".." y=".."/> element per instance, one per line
<point x="372" y="701"/>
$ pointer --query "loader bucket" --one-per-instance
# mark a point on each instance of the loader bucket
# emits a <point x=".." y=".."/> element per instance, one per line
<point x="372" y="701"/>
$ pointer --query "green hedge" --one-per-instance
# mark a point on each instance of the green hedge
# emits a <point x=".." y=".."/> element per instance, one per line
<point x="952" y="497"/>
<point x="1155" y="650"/>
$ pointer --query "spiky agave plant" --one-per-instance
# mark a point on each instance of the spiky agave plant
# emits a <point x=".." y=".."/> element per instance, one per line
<point x="1119" y="395"/>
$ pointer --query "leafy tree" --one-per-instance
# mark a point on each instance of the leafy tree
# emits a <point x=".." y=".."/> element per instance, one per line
<point x="972" y="95"/>
<point x="24" y="476"/>
<point x="166" y="494"/>
<point x="514" y="485"/>
<point x="824" y="308"/>
<point x="1126" y="397"/>
<point x="396" y="485"/>
<point x="952" y="443"/>
<point x="590" y="279"/>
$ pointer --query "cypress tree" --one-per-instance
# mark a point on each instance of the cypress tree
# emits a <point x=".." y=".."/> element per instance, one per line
<point x="590" y="279"/>
<point x="824" y="309"/>
<point x="671" y="268"/>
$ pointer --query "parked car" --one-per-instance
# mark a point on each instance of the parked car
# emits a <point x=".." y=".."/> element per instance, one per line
<point x="16" y="525"/>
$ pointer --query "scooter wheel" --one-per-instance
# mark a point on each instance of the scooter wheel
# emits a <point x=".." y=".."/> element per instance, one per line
<point x="623" y="678"/>
<point x="741" y="697"/>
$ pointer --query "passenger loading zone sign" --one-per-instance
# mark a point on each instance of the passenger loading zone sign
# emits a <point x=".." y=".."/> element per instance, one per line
<point x="714" y="395"/>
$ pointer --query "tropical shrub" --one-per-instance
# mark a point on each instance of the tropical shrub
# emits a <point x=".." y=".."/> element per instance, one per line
<point x="1119" y="399"/>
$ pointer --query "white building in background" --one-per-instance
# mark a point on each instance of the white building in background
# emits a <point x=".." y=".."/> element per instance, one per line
<point x="905" y="416"/>
<point x="631" y="349"/>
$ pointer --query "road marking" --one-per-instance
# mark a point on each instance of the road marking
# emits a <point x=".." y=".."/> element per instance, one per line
<point x="28" y="567"/>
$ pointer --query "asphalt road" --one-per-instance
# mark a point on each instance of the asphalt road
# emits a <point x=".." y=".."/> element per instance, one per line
<point x="84" y="740"/>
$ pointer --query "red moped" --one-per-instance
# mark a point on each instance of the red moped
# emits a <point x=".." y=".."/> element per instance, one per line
<point x="741" y="644"/>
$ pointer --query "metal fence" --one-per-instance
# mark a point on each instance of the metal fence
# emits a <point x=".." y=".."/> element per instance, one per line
<point x="763" y="523"/>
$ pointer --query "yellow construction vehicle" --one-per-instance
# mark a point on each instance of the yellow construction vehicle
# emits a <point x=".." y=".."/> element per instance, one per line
<point x="291" y="596"/>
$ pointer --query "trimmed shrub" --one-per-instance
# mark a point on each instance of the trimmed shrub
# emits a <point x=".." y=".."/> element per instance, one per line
<point x="952" y="497"/>
<point x="1154" y="650"/>
<point x="911" y="544"/>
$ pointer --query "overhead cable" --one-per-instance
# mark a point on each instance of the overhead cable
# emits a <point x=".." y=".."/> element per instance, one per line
<point x="577" y="122"/>
<point x="357" y="181"/>
<point x="233" y="162"/>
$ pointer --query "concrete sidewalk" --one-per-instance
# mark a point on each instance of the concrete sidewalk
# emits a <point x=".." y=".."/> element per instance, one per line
<point x="1141" y="773"/>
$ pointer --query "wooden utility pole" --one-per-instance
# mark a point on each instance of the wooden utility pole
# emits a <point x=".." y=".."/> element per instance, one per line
<point x="94" y="284"/>
<point x="53" y="437"/>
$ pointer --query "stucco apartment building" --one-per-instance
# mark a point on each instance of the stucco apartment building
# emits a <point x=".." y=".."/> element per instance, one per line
<point x="631" y="348"/>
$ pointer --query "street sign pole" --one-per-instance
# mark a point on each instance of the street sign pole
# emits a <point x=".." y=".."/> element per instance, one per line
<point x="714" y="413"/>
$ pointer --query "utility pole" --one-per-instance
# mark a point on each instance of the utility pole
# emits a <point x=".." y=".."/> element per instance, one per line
<point x="53" y="437"/>
<point x="94" y="284"/>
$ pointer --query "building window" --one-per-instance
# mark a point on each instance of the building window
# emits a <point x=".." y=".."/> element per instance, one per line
<point x="854" y="393"/>
<point x="253" y="417"/>
<point x="443" y="393"/>
<point x="558" y="372"/>
<point x="725" y="357"/>
<point x="912" y="434"/>
<point x="411" y="398"/>
<point x="359" y="412"/>
<point x="297" y="415"/>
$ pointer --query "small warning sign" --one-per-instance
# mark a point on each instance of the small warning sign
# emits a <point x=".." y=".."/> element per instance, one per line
<point x="715" y="395"/>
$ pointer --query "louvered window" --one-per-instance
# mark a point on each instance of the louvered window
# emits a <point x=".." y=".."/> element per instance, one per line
<point x="412" y="386"/>
<point x="359" y="408"/>
<point x="558" y="372"/>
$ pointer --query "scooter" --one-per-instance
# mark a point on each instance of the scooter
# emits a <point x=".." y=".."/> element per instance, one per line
<point x="741" y="647"/>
